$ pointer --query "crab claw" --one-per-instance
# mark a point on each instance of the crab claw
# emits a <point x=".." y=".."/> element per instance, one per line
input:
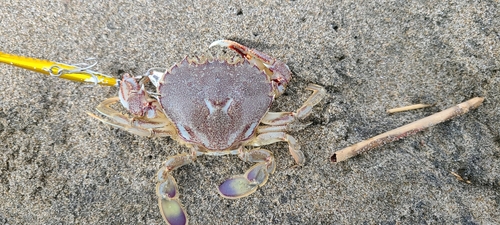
<point x="171" y="209"/>
<point x="134" y="97"/>
<point x="245" y="184"/>
<point x="278" y="72"/>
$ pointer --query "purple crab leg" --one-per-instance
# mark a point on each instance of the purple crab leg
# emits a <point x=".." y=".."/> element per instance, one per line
<point x="245" y="184"/>
<point x="171" y="208"/>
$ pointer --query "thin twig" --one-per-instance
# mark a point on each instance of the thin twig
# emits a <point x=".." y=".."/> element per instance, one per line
<point x="460" y="177"/>
<point x="406" y="108"/>
<point x="406" y="130"/>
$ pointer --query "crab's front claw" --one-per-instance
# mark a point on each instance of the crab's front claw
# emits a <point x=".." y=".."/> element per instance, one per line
<point x="245" y="184"/>
<point x="278" y="72"/>
<point x="135" y="99"/>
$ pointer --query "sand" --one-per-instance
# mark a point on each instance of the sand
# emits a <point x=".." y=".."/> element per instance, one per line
<point x="59" y="166"/>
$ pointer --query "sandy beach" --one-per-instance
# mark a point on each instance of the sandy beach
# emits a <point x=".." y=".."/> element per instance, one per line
<point x="60" y="166"/>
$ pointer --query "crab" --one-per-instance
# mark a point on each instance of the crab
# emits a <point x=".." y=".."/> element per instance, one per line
<point x="213" y="107"/>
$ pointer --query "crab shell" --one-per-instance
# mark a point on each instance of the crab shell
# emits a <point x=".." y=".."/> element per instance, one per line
<point x="215" y="105"/>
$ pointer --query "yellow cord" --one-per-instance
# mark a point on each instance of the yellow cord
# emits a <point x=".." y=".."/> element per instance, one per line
<point x="60" y="70"/>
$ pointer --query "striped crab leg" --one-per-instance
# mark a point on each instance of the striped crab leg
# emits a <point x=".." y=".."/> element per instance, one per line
<point x="60" y="70"/>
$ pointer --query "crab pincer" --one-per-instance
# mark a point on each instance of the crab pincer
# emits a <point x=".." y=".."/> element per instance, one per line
<point x="277" y="70"/>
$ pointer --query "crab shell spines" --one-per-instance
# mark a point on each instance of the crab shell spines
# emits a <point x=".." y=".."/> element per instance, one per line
<point x="216" y="105"/>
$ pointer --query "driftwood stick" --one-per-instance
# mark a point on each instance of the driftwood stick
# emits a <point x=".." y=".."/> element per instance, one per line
<point x="406" y="130"/>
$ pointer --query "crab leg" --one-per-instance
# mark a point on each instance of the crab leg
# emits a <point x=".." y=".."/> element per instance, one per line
<point x="279" y="123"/>
<point x="245" y="184"/>
<point x="171" y="208"/>
<point x="149" y="127"/>
<point x="283" y="118"/>
<point x="273" y="137"/>
<point x="56" y="69"/>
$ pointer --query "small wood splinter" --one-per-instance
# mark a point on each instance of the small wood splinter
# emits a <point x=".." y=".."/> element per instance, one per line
<point x="406" y="130"/>
<point x="460" y="178"/>
<point x="407" y="108"/>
